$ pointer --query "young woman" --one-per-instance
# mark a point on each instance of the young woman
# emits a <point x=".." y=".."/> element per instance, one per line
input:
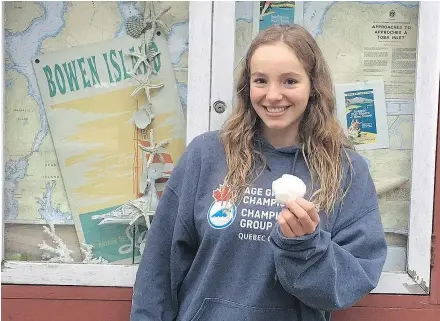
<point x="221" y="248"/>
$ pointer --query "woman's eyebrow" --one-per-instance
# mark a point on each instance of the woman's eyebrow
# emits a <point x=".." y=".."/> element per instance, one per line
<point x="285" y="74"/>
<point x="290" y="74"/>
<point x="257" y="74"/>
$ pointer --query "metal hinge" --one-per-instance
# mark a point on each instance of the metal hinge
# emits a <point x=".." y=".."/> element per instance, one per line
<point x="432" y="250"/>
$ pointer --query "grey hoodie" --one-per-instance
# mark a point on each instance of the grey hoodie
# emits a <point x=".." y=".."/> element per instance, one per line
<point x="208" y="260"/>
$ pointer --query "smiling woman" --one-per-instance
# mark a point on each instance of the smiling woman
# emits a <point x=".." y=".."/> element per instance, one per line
<point x="279" y="91"/>
<point x="235" y="237"/>
<point x="195" y="247"/>
<point x="286" y="81"/>
<point x="355" y="53"/>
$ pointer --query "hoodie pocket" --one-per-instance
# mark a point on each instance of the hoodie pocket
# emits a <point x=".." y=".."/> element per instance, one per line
<point x="215" y="309"/>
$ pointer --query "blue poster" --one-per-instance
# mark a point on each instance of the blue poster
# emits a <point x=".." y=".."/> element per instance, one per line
<point x="276" y="13"/>
<point x="361" y="116"/>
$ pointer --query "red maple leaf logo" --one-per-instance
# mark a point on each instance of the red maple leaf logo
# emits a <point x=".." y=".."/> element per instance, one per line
<point x="221" y="194"/>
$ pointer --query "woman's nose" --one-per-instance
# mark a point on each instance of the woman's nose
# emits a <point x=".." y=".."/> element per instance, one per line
<point x="274" y="93"/>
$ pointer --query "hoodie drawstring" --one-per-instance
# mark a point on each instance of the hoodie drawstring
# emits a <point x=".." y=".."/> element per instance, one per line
<point x="294" y="161"/>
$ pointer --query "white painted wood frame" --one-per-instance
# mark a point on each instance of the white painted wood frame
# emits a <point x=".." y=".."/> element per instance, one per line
<point x="222" y="75"/>
<point x="199" y="68"/>
<point x="425" y="142"/>
<point x="2" y="126"/>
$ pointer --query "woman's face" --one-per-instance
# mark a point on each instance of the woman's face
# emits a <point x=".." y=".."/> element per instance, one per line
<point x="279" y="89"/>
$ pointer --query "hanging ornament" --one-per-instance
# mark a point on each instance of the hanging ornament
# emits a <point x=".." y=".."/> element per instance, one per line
<point x="150" y="198"/>
<point x="147" y="25"/>
<point x="143" y="117"/>
<point x="137" y="25"/>
<point x="145" y="56"/>
<point x="153" y="149"/>
<point x="146" y="85"/>
<point x="144" y="206"/>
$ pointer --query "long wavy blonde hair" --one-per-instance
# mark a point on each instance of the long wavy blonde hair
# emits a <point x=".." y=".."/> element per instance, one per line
<point x="320" y="136"/>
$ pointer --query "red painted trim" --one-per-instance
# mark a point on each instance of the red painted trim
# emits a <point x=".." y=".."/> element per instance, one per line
<point x="113" y="304"/>
<point x="64" y="310"/>
<point x="51" y="292"/>
<point x="382" y="314"/>
<point x="395" y="301"/>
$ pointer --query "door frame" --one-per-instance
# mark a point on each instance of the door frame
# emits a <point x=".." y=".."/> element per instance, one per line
<point x="416" y="278"/>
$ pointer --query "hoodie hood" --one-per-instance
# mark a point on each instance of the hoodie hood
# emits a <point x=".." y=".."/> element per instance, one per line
<point x="276" y="157"/>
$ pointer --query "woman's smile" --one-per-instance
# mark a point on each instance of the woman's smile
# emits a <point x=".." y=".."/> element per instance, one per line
<point x="275" y="111"/>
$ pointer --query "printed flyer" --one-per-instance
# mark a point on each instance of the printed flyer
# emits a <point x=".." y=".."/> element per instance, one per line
<point x="269" y="13"/>
<point x="362" y="112"/>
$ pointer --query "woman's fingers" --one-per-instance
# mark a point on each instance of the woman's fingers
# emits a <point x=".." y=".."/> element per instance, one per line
<point x="293" y="222"/>
<point x="298" y="218"/>
<point x="310" y="208"/>
<point x="284" y="226"/>
<point x="305" y="213"/>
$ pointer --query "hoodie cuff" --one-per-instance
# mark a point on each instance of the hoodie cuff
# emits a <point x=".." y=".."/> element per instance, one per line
<point x="302" y="246"/>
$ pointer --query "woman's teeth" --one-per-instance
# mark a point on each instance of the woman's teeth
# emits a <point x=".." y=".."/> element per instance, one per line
<point x="276" y="109"/>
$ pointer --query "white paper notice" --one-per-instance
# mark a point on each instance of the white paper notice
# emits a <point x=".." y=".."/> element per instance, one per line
<point x="362" y="112"/>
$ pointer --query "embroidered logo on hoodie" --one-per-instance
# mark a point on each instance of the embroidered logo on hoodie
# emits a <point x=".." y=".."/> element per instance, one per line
<point x="222" y="212"/>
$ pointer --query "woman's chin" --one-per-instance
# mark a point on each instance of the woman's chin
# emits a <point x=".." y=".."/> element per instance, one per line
<point x="271" y="125"/>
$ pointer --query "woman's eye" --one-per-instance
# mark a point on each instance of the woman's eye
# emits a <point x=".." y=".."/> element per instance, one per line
<point x="290" y="81"/>
<point x="259" y="81"/>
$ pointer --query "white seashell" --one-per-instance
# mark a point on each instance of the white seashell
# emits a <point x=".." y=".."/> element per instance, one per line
<point x="135" y="26"/>
<point x="288" y="187"/>
<point x="142" y="119"/>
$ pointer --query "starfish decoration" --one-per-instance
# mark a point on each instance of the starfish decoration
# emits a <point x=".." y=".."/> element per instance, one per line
<point x="128" y="213"/>
<point x="153" y="21"/>
<point x="143" y="211"/>
<point x="153" y="149"/>
<point x="146" y="85"/>
<point x="144" y="206"/>
<point x="146" y="58"/>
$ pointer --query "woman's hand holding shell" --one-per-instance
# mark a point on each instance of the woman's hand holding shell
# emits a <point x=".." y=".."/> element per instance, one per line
<point x="299" y="216"/>
<point x="288" y="187"/>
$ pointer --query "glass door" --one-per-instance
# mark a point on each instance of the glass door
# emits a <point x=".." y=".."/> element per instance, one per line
<point x="366" y="44"/>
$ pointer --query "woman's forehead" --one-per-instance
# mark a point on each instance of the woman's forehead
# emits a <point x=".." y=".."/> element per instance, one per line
<point x="275" y="58"/>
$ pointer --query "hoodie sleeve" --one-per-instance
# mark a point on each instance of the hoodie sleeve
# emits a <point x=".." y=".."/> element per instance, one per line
<point x="169" y="252"/>
<point x="330" y="271"/>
